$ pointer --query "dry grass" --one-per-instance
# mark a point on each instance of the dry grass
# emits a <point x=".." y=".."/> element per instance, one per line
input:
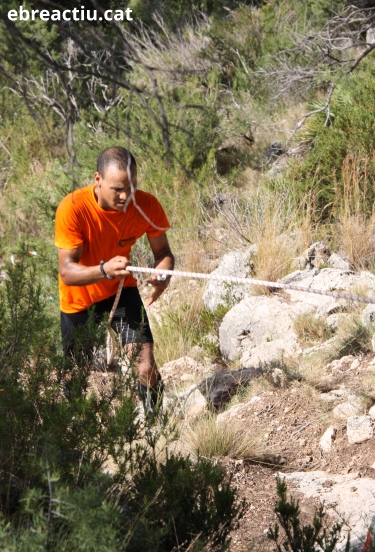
<point x="175" y="323"/>
<point x="281" y="234"/>
<point x="358" y="239"/>
<point x="209" y="439"/>
<point x="311" y="329"/>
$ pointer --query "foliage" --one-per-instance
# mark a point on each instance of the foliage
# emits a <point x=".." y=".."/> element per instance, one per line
<point x="297" y="537"/>
<point x="339" y="169"/>
<point x="85" y="473"/>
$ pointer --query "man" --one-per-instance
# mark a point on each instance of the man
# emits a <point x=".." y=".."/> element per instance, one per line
<point x="96" y="227"/>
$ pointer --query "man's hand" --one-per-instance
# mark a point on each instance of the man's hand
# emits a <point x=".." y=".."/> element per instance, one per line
<point x="117" y="267"/>
<point x="75" y="274"/>
<point x="163" y="259"/>
<point x="159" y="286"/>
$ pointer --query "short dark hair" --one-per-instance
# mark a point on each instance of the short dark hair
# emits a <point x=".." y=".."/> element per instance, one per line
<point x="117" y="156"/>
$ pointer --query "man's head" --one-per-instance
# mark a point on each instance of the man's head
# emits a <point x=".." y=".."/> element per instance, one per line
<point x="113" y="186"/>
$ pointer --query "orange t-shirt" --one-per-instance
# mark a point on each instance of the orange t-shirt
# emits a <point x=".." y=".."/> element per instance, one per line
<point x="104" y="234"/>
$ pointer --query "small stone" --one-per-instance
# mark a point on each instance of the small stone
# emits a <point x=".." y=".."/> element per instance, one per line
<point x="359" y="429"/>
<point x="307" y="459"/>
<point x="327" y="438"/>
<point x="278" y="377"/>
<point x="333" y="395"/>
<point x="187" y="377"/>
<point x="354" y="365"/>
<point x="195" y="404"/>
<point x="373" y="466"/>
<point x="255" y="399"/>
<point x="368" y="315"/>
<point x="347" y="409"/>
<point x="371" y="412"/>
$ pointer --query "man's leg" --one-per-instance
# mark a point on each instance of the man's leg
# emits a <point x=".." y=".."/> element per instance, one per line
<point x="150" y="385"/>
<point x="131" y="323"/>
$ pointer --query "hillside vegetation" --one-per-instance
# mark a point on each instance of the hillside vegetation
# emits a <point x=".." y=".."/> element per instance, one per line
<point x="248" y="120"/>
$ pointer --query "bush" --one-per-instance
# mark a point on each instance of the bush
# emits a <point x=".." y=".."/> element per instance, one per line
<point x="85" y="474"/>
<point x="297" y="537"/>
<point x="339" y="170"/>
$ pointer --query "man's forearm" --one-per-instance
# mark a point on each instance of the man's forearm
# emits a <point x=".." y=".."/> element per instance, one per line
<point x="75" y="274"/>
<point x="165" y="261"/>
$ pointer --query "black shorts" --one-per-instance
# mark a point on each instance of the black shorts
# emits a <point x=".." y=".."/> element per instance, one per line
<point x="130" y="319"/>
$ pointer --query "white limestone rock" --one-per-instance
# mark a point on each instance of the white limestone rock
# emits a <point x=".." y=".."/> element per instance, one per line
<point x="338" y="262"/>
<point x="359" y="429"/>
<point x="327" y="439"/>
<point x="352" y="407"/>
<point x="368" y="315"/>
<point x="235" y="263"/>
<point x="348" y="496"/>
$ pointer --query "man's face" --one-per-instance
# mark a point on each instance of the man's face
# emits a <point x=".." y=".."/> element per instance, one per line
<point x="114" y="188"/>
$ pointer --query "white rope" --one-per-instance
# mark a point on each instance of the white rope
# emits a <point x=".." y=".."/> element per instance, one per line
<point x="233" y="279"/>
<point x="111" y="342"/>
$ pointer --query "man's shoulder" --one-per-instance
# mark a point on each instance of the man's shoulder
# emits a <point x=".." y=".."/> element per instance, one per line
<point x="76" y="199"/>
<point x="145" y="198"/>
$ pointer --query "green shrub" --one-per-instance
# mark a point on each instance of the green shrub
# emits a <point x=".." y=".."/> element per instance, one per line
<point x="297" y="537"/>
<point x="84" y="474"/>
<point x="338" y="172"/>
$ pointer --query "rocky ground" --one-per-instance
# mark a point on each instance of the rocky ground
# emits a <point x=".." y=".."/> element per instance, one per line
<point x="309" y="406"/>
<point x="314" y="426"/>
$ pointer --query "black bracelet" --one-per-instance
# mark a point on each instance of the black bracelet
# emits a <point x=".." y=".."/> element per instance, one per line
<point x="104" y="272"/>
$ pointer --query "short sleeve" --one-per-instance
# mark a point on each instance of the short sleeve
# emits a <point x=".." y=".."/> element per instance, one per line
<point x="158" y="222"/>
<point x="68" y="234"/>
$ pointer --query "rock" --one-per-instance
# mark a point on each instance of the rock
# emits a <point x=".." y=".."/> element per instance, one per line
<point x="359" y="429"/>
<point x="181" y="370"/>
<point x="221" y="386"/>
<point x="241" y="411"/>
<point x="260" y="329"/>
<point x="317" y="254"/>
<point x="279" y="377"/>
<point x="236" y="263"/>
<point x="335" y="261"/>
<point x="373" y="343"/>
<point x="340" y="365"/>
<point x="321" y="347"/>
<point x="334" y="395"/>
<point x="327" y="439"/>
<point x="352" y="407"/>
<point x="371" y="412"/>
<point x="333" y="320"/>
<point x="368" y="315"/>
<point x="195" y="404"/>
<point x="273" y="151"/>
<point x="355" y="364"/>
<point x="335" y="491"/>
<point x="187" y="377"/>
<point x="261" y="326"/>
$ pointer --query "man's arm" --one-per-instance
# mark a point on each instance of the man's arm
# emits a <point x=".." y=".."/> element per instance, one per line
<point x="163" y="259"/>
<point x="74" y="274"/>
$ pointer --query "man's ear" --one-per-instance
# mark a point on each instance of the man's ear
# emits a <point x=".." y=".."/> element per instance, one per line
<point x="97" y="179"/>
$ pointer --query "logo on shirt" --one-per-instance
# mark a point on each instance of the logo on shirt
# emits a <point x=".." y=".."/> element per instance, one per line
<point x="122" y="243"/>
